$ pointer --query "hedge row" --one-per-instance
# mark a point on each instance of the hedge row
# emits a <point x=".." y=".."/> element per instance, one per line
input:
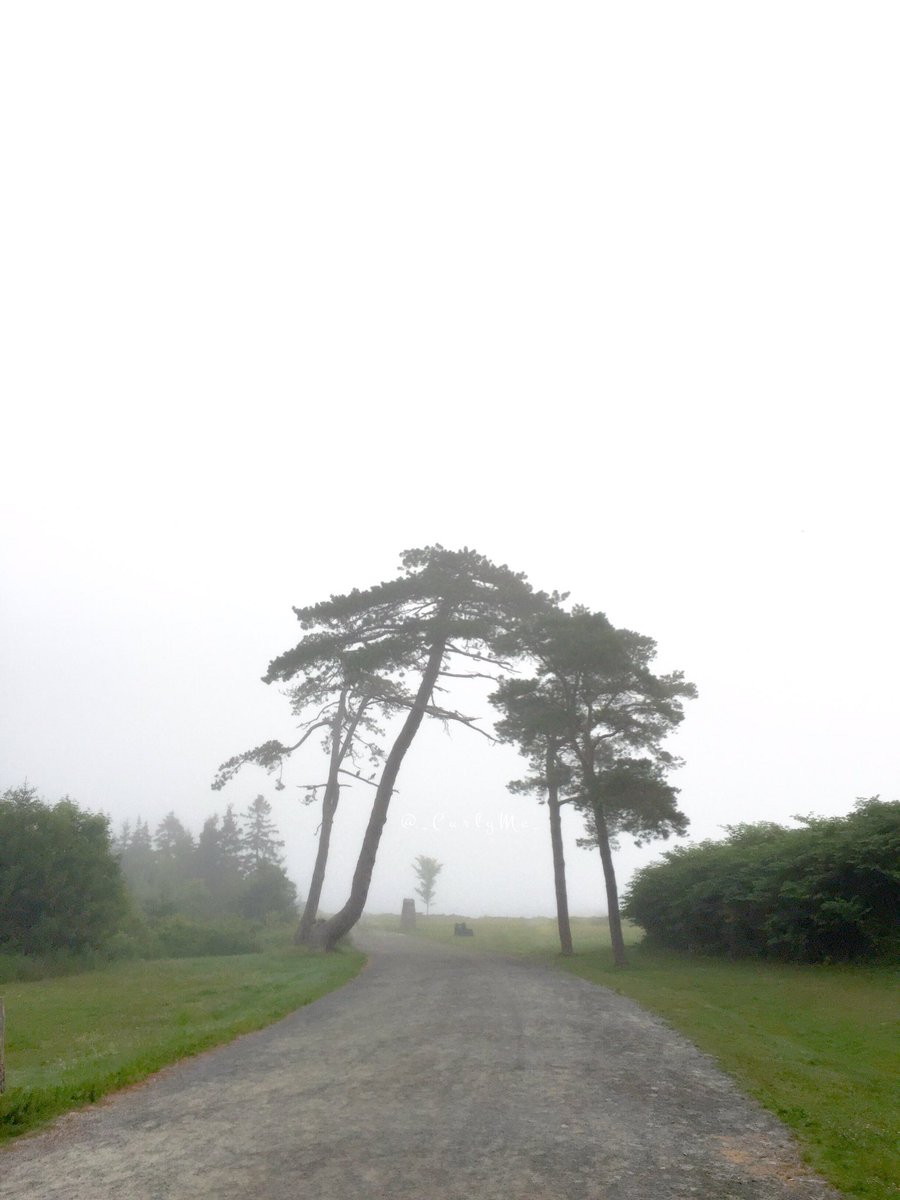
<point x="828" y="891"/>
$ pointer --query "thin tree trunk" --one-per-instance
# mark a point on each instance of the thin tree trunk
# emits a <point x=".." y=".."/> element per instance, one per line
<point x="311" y="908"/>
<point x="612" y="892"/>
<point x="559" y="862"/>
<point x="329" y="808"/>
<point x="343" y="921"/>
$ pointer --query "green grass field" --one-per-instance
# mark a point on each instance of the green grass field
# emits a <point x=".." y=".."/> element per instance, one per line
<point x="817" y="1045"/>
<point x="71" y="1040"/>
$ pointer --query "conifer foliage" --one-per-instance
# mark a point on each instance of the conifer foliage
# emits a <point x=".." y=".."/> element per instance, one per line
<point x="444" y="615"/>
<point x="235" y="867"/>
<point x="594" y="717"/>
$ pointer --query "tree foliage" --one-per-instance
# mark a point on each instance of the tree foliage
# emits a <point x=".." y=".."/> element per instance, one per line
<point x="60" y="882"/>
<point x="826" y="891"/>
<point x="261" y="842"/>
<point x="427" y="870"/>
<point x="445" y="608"/>
<point x="234" y="868"/>
<point x="597" y="715"/>
<point x="342" y="700"/>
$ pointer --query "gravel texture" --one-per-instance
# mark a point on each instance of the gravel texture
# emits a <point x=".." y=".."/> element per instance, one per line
<point x="439" y="1073"/>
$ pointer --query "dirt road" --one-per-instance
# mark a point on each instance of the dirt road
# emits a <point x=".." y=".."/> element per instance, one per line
<point x="438" y="1074"/>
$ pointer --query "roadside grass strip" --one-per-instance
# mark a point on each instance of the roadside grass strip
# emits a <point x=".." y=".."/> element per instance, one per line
<point x="816" y="1045"/>
<point x="72" y="1040"/>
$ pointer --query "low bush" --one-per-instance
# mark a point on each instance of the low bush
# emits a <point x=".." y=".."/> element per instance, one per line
<point x="178" y="937"/>
<point x="828" y="891"/>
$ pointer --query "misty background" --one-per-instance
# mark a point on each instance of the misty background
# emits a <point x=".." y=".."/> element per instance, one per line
<point x="608" y="294"/>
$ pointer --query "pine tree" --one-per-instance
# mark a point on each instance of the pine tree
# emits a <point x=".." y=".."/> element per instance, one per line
<point x="138" y="862"/>
<point x="259" y="840"/>
<point x="173" y="843"/>
<point x="448" y="609"/>
<point x="595" y="695"/>
<point x="208" y="855"/>
<point x="231" y="843"/>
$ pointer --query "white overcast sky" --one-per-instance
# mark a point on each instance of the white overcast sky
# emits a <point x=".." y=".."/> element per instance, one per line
<point x="608" y="292"/>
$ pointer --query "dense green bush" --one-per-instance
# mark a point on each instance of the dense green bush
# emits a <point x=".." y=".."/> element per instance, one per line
<point x="61" y="888"/>
<point x="827" y="891"/>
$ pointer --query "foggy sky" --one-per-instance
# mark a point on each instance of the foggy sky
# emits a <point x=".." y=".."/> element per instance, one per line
<point x="608" y="294"/>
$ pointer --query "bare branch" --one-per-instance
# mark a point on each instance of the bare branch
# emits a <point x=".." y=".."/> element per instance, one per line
<point x="361" y="778"/>
<point x="468" y="675"/>
<point x="309" y="732"/>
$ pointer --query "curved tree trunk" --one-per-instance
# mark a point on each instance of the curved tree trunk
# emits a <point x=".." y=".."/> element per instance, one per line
<point x="612" y="892"/>
<point x="311" y="908"/>
<point x="559" y="862"/>
<point x="331" y="931"/>
<point x="329" y="808"/>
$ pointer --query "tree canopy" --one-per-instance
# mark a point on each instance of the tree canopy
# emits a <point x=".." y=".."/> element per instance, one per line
<point x="444" y="616"/>
<point x="591" y="721"/>
<point x="60" y="882"/>
<point x="594" y="717"/>
<point x="427" y="870"/>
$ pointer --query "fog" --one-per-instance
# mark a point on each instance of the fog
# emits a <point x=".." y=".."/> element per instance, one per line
<point x="608" y="294"/>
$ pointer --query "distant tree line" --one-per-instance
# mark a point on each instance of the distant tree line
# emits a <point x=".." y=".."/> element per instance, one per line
<point x="234" y="868"/>
<point x="68" y="887"/>
<point x="826" y="891"/>
<point x="581" y="700"/>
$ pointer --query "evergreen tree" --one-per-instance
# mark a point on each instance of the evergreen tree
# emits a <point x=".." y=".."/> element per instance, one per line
<point x="173" y="843"/>
<point x="137" y="858"/>
<point x="231" y="843"/>
<point x="448" y="607"/>
<point x="259" y="840"/>
<point x="342" y="699"/>
<point x="608" y="715"/>
<point x="267" y="892"/>
<point x="172" y="868"/>
<point x="208" y="855"/>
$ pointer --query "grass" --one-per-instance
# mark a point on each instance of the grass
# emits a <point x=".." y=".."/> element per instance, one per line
<point x="817" y="1045"/>
<point x="71" y="1040"/>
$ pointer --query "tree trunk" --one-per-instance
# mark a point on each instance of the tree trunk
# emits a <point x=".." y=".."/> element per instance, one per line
<point x="329" y="808"/>
<point x="559" y="862"/>
<point x="342" y="922"/>
<point x="311" y="908"/>
<point x="612" y="891"/>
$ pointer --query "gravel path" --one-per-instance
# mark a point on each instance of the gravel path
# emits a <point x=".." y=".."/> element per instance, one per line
<point x="438" y="1074"/>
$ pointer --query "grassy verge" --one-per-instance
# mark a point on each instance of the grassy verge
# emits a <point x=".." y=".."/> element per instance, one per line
<point x="817" y="1045"/>
<point x="71" y="1040"/>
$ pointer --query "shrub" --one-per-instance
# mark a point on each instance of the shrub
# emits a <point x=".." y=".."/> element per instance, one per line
<point x="828" y="891"/>
<point x="179" y="937"/>
<point x="60" y="883"/>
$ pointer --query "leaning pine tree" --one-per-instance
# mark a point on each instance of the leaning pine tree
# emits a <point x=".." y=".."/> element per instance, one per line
<point x="446" y="608"/>
<point x="343" y="700"/>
